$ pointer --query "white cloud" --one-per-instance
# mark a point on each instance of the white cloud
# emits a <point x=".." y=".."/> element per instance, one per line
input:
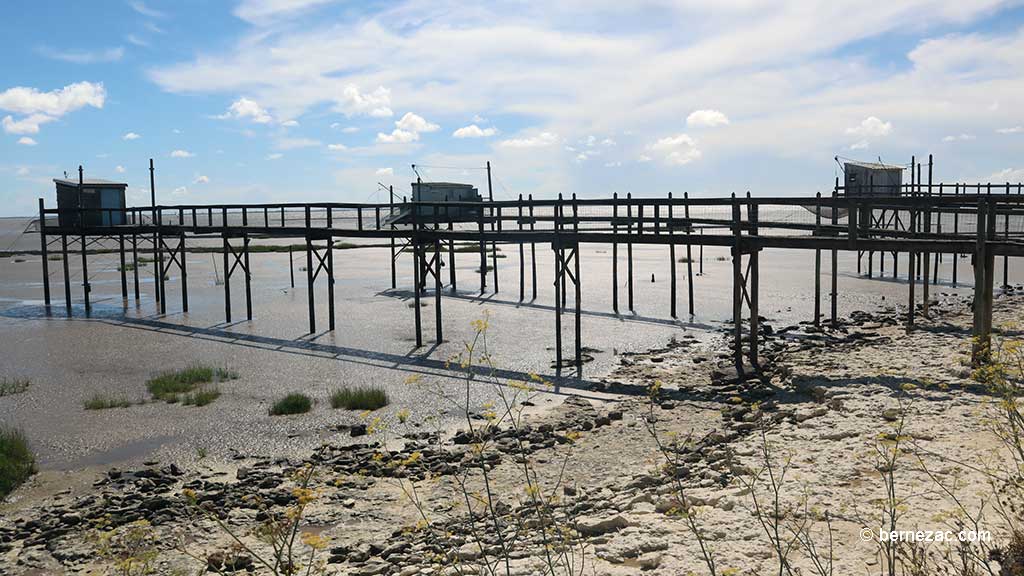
<point x="539" y="141"/>
<point x="21" y="171"/>
<point x="860" y="145"/>
<point x="293" y="143"/>
<point x="181" y="154"/>
<point x="267" y="11"/>
<point x="133" y="39"/>
<point x="180" y="191"/>
<point x="141" y="8"/>
<point x="42" y="107"/>
<point x="407" y="129"/>
<point x="131" y="136"/>
<point x="960" y="137"/>
<point x="414" y="123"/>
<point x="27" y="125"/>
<point x="676" y="150"/>
<point x="201" y="179"/>
<point x="275" y="156"/>
<point x="474" y="131"/>
<point x="385" y="172"/>
<point x="26" y="141"/>
<point x="337" y="147"/>
<point x="707" y="119"/>
<point x="397" y="136"/>
<point x="246" y="108"/>
<point x="614" y="164"/>
<point x="871" y="127"/>
<point x="353" y="102"/>
<point x="290" y="123"/>
<point x="1012" y="175"/>
<point x="84" y="56"/>
<point x="119" y="169"/>
<point x="1011" y="130"/>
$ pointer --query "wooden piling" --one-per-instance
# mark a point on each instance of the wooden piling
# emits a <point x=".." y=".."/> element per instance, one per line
<point x="689" y="254"/>
<point x="672" y="259"/>
<point x="42" y="250"/>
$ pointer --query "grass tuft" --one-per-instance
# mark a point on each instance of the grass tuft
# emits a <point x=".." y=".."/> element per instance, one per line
<point x="102" y="402"/>
<point x="17" y="462"/>
<point x="169" y="385"/>
<point x="294" y="403"/>
<point x="201" y="397"/>
<point x="9" y="386"/>
<point x="359" y="398"/>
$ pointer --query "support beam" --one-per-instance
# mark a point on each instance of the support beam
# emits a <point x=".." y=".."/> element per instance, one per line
<point x="629" y="249"/>
<point x="737" y="285"/>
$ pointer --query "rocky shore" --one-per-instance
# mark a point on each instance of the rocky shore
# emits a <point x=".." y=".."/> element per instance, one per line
<point x="815" y="407"/>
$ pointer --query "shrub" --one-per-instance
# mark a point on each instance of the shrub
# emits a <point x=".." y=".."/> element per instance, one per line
<point x="168" y="385"/>
<point x="294" y="403"/>
<point x="102" y="402"/>
<point x="359" y="398"/>
<point x="10" y="386"/>
<point x="16" y="460"/>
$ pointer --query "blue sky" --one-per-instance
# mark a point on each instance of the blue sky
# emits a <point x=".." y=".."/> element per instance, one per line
<point x="307" y="100"/>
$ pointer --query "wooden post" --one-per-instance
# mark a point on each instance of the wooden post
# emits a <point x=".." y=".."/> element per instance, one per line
<point x="911" y="276"/>
<point x="737" y="284"/>
<point x="927" y="261"/>
<point x="835" y="260"/>
<point x="309" y="275"/>
<point x="391" y="214"/>
<point x="496" y="220"/>
<point x="817" y="262"/>
<point x="672" y="258"/>
<point x="227" y="277"/>
<point x="483" y="252"/>
<point x="439" y="335"/>
<point x="981" y="332"/>
<point x="156" y="218"/>
<point x="956" y="230"/>
<point x="135" y="265"/>
<point x="576" y="283"/>
<point x="46" y="264"/>
<point x="556" y="247"/>
<point x="629" y="249"/>
<point x="1006" y="234"/>
<point x="615" y="252"/>
<point x="753" y="286"/>
<point x="330" y="271"/>
<point x="67" y="275"/>
<point x="689" y="253"/>
<point x="533" y="252"/>
<point x="184" y="272"/>
<point x="417" y="269"/>
<point x="522" y="254"/>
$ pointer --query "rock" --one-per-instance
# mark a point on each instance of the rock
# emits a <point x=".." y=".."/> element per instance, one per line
<point x="891" y="414"/>
<point x="649" y="561"/>
<point x="357" y="430"/>
<point x="603" y="525"/>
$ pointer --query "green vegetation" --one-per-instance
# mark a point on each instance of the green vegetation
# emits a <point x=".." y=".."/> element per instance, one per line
<point x="169" y="386"/>
<point x="55" y="257"/>
<point x="294" y="403"/>
<point x="102" y="402"/>
<point x="201" y="397"/>
<point x="359" y="398"/>
<point x="16" y="460"/>
<point x="9" y="386"/>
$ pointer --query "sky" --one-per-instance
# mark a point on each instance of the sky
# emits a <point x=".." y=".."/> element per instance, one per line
<point x="325" y="100"/>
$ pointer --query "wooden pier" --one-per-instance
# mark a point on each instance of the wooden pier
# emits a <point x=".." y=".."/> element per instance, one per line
<point x="910" y="223"/>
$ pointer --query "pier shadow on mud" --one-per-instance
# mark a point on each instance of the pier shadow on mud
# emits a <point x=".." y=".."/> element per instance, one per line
<point x="564" y="382"/>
